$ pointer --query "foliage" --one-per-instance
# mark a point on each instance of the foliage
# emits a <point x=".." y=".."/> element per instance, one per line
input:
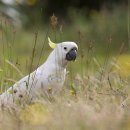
<point x="96" y="92"/>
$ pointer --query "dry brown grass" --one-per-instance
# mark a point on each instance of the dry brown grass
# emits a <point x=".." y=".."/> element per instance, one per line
<point x="94" y="106"/>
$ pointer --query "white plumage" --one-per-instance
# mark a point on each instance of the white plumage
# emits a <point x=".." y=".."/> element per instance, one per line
<point x="46" y="79"/>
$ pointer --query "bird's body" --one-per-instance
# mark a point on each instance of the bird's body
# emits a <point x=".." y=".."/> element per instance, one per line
<point x="46" y="79"/>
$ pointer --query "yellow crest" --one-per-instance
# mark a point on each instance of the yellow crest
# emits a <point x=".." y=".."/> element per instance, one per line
<point x="51" y="44"/>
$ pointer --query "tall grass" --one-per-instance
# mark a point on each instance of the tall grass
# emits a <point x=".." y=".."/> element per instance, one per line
<point x="96" y="92"/>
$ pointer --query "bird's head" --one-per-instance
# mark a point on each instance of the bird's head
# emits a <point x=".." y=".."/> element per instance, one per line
<point x="63" y="52"/>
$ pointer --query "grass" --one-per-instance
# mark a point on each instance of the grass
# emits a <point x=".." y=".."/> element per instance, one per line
<point x="96" y="92"/>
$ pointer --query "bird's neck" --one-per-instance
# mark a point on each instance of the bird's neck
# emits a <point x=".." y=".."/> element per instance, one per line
<point x="56" y="59"/>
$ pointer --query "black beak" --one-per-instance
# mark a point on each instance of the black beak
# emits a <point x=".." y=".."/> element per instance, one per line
<point x="71" y="55"/>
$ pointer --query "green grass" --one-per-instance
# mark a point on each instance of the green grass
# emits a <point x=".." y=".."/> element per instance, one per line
<point x="96" y="92"/>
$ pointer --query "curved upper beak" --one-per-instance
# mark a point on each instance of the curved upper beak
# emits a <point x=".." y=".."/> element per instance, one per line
<point x="72" y="54"/>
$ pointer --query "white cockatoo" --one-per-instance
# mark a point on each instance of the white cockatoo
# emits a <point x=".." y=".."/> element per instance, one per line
<point x="46" y="79"/>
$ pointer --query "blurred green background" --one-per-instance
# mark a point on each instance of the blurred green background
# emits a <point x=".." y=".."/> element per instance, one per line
<point x="99" y="27"/>
<point x="96" y="92"/>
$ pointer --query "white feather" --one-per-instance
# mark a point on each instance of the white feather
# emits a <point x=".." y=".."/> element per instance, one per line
<point x="49" y="76"/>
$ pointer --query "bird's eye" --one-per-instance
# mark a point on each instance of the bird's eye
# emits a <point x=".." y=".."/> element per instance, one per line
<point x="65" y="48"/>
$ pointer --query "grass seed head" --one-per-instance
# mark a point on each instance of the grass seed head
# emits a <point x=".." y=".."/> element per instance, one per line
<point x="54" y="21"/>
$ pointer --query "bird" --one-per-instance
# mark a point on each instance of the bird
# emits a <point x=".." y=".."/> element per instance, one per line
<point x="47" y="79"/>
